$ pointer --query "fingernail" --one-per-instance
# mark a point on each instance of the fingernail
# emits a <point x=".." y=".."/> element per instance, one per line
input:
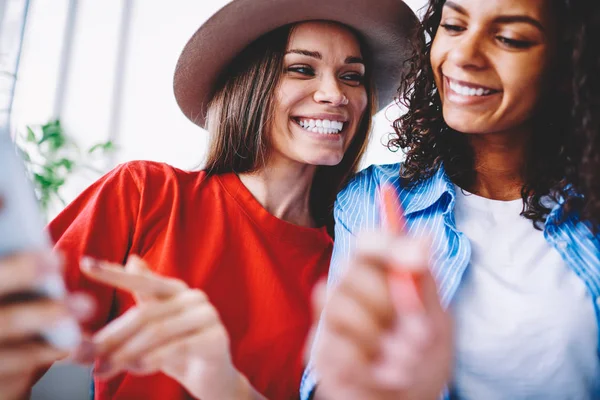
<point x="134" y="258"/>
<point x="135" y="264"/>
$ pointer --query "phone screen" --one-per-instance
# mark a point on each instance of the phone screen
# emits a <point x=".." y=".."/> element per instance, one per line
<point x="21" y="224"/>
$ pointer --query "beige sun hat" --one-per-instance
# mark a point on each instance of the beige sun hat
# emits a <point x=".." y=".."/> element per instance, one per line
<point x="386" y="26"/>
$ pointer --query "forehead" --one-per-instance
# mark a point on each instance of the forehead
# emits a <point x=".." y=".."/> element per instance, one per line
<point x="538" y="9"/>
<point x="324" y="35"/>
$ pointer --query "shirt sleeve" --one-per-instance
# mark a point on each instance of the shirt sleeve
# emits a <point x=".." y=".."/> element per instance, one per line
<point x="99" y="223"/>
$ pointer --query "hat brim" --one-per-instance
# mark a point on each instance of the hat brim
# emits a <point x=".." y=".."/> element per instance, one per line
<point x="386" y="27"/>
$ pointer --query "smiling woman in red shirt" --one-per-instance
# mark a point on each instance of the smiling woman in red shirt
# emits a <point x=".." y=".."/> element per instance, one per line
<point x="214" y="301"/>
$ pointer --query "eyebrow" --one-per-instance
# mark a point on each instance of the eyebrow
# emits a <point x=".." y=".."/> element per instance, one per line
<point x="318" y="56"/>
<point x="503" y="19"/>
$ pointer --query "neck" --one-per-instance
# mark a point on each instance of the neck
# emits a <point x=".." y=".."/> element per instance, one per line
<point x="282" y="187"/>
<point x="499" y="162"/>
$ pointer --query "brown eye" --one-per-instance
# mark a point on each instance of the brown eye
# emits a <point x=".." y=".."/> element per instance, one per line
<point x="302" y="70"/>
<point x="515" y="44"/>
<point x="354" y="78"/>
<point x="452" y="28"/>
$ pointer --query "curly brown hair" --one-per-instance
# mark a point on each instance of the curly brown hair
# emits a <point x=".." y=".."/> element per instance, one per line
<point x="586" y="104"/>
<point x="429" y="143"/>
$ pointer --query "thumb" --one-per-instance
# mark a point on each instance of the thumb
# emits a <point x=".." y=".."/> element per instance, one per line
<point x="138" y="266"/>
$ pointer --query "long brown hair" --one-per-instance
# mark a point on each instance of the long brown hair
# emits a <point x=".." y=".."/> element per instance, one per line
<point x="241" y="111"/>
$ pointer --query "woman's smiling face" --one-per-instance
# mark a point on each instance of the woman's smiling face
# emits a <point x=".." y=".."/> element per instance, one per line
<point x="321" y="97"/>
<point x="490" y="61"/>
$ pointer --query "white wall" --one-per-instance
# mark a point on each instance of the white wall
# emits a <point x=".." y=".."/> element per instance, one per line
<point x="147" y="124"/>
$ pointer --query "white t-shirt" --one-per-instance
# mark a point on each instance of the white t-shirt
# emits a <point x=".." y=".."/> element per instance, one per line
<point x="525" y="323"/>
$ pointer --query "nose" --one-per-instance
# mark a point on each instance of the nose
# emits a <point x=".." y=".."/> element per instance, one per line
<point x="467" y="51"/>
<point x="330" y="92"/>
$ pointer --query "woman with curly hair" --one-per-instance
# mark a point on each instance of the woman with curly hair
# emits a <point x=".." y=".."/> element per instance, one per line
<point x="220" y="264"/>
<point x="492" y="290"/>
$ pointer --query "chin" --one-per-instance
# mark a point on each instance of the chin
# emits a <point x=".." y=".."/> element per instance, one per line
<point x="328" y="160"/>
<point x="466" y="124"/>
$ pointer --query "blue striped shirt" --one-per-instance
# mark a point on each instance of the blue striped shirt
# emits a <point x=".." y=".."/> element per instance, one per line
<point x="429" y="212"/>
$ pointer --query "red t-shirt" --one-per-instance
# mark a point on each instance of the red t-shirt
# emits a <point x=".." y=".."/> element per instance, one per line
<point x="257" y="270"/>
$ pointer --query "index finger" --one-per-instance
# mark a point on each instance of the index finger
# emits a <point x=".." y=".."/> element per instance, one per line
<point x="115" y="275"/>
<point x="396" y="224"/>
<point x="391" y="209"/>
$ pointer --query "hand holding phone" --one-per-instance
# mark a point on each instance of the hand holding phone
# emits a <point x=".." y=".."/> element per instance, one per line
<point x="21" y="232"/>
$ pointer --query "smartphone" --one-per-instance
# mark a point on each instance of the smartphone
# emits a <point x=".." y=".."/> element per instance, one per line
<point x="22" y="230"/>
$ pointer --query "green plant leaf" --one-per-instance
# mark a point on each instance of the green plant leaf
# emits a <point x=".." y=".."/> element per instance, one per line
<point x="31" y="137"/>
<point x="104" y="147"/>
<point x="56" y="158"/>
<point x="68" y="164"/>
<point x="24" y="155"/>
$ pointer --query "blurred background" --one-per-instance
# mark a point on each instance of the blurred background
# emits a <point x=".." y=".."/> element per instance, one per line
<point x="87" y="84"/>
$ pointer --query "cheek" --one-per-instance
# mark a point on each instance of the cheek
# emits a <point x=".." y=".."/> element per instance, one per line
<point x="436" y="57"/>
<point x="359" y="102"/>
<point x="525" y="81"/>
<point x="362" y="102"/>
<point x="282" y="102"/>
<point x="292" y="93"/>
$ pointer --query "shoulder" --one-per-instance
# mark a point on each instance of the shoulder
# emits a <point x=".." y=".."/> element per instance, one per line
<point x="151" y="177"/>
<point x="147" y="172"/>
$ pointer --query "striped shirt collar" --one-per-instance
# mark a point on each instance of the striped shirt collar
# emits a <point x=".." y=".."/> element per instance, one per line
<point x="425" y="194"/>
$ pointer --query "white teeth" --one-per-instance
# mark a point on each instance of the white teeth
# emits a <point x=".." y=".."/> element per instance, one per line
<point x="467" y="91"/>
<point x="321" y="125"/>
